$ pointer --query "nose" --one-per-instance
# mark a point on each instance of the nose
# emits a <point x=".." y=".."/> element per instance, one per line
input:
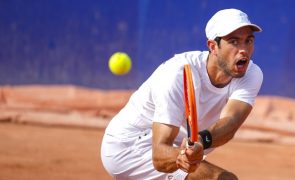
<point x="244" y="49"/>
<point x="243" y="52"/>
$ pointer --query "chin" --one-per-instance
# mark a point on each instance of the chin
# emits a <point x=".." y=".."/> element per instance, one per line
<point x="240" y="75"/>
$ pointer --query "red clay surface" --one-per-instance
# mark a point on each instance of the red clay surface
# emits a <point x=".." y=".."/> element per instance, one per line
<point x="54" y="132"/>
<point x="30" y="152"/>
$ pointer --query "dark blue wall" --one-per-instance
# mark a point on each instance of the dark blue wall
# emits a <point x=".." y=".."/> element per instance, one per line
<point x="70" y="41"/>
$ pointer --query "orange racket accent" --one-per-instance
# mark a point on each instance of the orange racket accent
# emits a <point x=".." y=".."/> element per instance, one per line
<point x="190" y="105"/>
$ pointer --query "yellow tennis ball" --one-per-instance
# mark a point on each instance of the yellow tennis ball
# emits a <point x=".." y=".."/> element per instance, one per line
<point x="120" y="63"/>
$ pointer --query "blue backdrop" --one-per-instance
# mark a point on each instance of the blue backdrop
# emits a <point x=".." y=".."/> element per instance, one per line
<point x="70" y="41"/>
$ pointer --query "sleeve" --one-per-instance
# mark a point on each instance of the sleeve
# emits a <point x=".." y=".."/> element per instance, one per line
<point x="167" y="95"/>
<point x="247" y="88"/>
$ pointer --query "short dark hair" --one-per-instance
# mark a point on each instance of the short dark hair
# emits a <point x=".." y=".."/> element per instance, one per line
<point x="218" y="39"/>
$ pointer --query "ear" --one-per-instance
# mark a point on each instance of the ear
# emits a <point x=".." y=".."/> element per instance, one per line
<point x="212" y="46"/>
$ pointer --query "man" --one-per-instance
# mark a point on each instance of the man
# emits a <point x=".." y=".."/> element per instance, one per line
<point x="146" y="139"/>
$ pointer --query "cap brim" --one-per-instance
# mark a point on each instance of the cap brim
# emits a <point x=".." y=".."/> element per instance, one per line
<point x="254" y="27"/>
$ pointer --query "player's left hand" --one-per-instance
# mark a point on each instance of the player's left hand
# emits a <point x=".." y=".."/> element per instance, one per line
<point x="189" y="158"/>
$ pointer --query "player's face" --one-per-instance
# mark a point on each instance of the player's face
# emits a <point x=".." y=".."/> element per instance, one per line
<point x="235" y="52"/>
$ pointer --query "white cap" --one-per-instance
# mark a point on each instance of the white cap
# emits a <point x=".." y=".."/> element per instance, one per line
<point x="226" y="21"/>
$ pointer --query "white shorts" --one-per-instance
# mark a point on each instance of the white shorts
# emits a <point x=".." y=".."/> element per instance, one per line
<point x="131" y="158"/>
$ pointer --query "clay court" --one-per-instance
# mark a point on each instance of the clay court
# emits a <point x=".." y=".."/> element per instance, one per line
<point x="38" y="152"/>
<point x="45" y="136"/>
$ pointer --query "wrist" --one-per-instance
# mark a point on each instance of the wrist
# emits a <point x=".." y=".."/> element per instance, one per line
<point x="200" y="140"/>
<point x="206" y="138"/>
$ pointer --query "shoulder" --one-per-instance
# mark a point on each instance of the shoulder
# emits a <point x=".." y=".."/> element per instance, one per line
<point x="171" y="70"/>
<point x="193" y="57"/>
<point x="254" y="70"/>
<point x="247" y="87"/>
<point x="254" y="75"/>
<point x="177" y="62"/>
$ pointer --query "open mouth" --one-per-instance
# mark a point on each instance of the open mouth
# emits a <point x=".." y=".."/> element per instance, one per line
<point x="242" y="64"/>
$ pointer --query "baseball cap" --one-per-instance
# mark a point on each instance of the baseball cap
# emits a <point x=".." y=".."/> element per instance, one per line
<point x="226" y="21"/>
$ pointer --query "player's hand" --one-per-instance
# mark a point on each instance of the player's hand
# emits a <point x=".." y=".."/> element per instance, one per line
<point x="189" y="158"/>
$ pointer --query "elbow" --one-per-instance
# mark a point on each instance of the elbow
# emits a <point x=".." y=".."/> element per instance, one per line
<point x="157" y="164"/>
<point x="160" y="166"/>
<point x="157" y="159"/>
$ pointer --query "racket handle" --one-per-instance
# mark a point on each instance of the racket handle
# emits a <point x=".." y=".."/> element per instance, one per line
<point x="190" y="144"/>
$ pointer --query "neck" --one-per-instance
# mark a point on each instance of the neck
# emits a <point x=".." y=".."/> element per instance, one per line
<point x="216" y="75"/>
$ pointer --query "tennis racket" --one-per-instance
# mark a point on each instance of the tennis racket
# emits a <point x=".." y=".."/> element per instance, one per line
<point x="190" y="106"/>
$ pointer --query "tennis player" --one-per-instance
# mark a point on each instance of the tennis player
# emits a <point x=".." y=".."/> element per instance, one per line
<point x="147" y="138"/>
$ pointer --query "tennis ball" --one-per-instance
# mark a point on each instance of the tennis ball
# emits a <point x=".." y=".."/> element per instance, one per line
<point x="120" y="63"/>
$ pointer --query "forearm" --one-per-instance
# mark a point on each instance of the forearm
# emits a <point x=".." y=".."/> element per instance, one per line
<point x="223" y="131"/>
<point x="231" y="118"/>
<point x="164" y="154"/>
<point x="164" y="157"/>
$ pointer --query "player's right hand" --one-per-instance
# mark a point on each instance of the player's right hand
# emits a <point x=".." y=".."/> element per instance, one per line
<point x="189" y="157"/>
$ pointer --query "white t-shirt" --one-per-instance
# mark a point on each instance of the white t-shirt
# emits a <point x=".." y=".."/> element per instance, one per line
<point x="160" y="98"/>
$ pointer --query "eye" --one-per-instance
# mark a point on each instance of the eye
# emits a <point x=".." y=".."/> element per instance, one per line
<point x="234" y="41"/>
<point x="250" y="41"/>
